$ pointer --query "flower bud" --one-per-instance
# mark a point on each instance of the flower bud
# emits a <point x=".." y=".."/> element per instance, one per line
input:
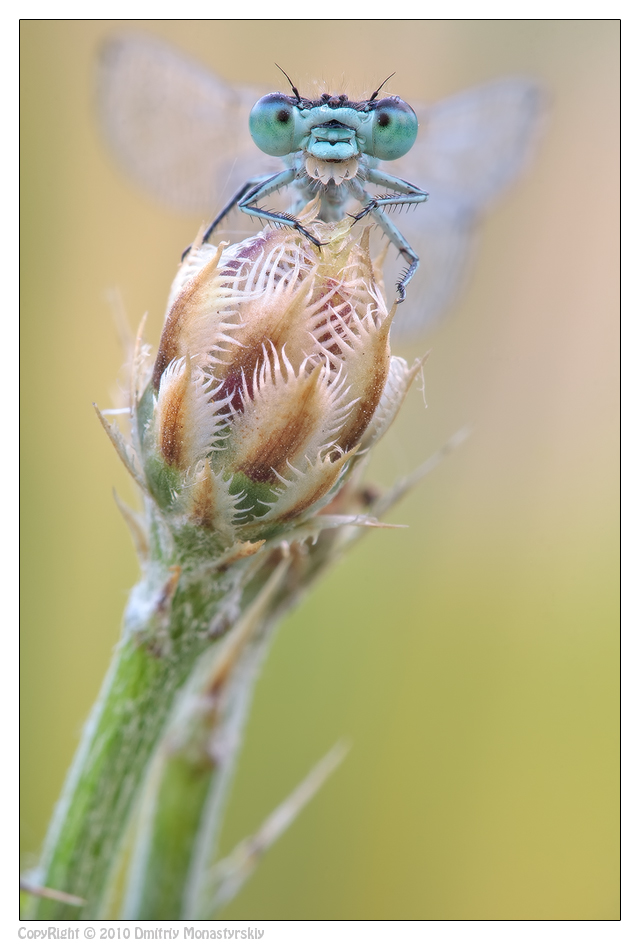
<point x="268" y="381"/>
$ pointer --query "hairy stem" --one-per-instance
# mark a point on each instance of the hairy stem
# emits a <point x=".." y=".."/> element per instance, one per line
<point x="167" y="626"/>
<point x="194" y="767"/>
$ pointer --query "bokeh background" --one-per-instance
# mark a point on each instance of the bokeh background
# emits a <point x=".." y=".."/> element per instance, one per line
<point x="472" y="659"/>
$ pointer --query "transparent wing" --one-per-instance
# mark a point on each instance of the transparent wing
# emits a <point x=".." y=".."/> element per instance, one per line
<point x="180" y="132"/>
<point x="470" y="147"/>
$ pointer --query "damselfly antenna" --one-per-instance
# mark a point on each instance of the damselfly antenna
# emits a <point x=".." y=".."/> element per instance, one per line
<point x="374" y="96"/>
<point x="293" y="88"/>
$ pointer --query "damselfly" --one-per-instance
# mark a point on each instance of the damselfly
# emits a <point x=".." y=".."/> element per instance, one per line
<point x="190" y="138"/>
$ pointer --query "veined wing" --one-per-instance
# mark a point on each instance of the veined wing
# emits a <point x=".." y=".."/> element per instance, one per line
<point x="180" y="131"/>
<point x="470" y="147"/>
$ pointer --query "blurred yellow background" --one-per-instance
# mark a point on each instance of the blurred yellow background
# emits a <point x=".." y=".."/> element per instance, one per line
<point x="472" y="660"/>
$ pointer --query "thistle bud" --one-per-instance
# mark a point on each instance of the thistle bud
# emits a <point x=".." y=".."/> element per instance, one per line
<point x="268" y="382"/>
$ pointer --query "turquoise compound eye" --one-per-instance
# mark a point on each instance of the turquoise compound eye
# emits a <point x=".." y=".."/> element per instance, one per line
<point x="395" y="127"/>
<point x="272" y="124"/>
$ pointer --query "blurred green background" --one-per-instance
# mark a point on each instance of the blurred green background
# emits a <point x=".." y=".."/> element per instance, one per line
<point x="472" y="659"/>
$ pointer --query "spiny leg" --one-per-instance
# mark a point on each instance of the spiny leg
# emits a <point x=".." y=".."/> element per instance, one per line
<point x="404" y="193"/>
<point x="409" y="255"/>
<point x="235" y="200"/>
<point x="264" y="189"/>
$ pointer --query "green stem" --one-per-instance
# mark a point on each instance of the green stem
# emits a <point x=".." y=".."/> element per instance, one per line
<point x="164" y="849"/>
<point x="199" y="892"/>
<point x="194" y="767"/>
<point x="167" y="626"/>
<point x="171" y="874"/>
